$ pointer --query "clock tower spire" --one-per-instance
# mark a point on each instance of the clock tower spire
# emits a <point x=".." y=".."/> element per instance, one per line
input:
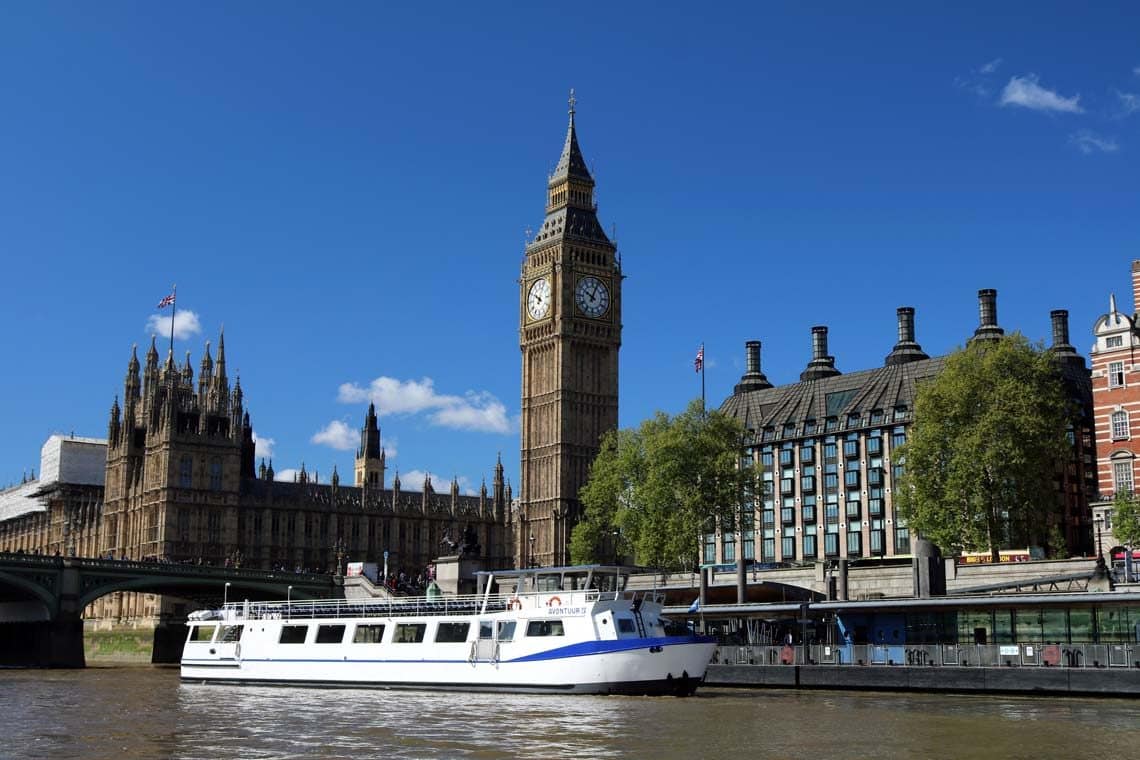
<point x="569" y="334"/>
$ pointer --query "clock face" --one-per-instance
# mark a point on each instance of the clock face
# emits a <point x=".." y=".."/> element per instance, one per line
<point x="538" y="300"/>
<point x="592" y="297"/>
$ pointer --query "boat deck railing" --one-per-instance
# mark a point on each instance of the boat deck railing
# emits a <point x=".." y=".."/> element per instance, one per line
<point x="409" y="606"/>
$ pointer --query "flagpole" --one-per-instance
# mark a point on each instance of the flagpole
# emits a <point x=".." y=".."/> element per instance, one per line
<point x="702" y="378"/>
<point x="173" y="311"/>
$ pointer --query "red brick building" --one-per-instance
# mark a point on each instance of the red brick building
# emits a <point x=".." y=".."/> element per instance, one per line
<point x="1116" y="406"/>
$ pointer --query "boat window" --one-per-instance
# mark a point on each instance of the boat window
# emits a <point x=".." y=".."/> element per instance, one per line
<point x="330" y="634"/>
<point x="485" y="629"/>
<point x="625" y="625"/>
<point x="368" y="634"/>
<point x="231" y="633"/>
<point x="202" y="632"/>
<point x="409" y="633"/>
<point x="450" y="633"/>
<point x="507" y="631"/>
<point x="293" y="634"/>
<point x="545" y="628"/>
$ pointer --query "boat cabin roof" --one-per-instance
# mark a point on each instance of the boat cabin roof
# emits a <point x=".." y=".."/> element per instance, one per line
<point x="566" y="578"/>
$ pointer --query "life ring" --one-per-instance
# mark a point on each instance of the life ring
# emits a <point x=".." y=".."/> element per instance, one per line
<point x="237" y="650"/>
<point x="554" y="602"/>
<point x="514" y="603"/>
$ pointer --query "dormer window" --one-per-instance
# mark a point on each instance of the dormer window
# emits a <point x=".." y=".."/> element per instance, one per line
<point x="1114" y="341"/>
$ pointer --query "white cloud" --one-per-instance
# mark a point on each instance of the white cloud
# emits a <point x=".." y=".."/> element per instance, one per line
<point x="413" y="480"/>
<point x="1136" y="71"/>
<point x="475" y="410"/>
<point x="1025" y="92"/>
<point x="1129" y="102"/>
<point x="337" y="435"/>
<point x="262" y="446"/>
<point x="389" y="445"/>
<point x="287" y="476"/>
<point x="185" y="324"/>
<point x="991" y="67"/>
<point x="1090" y="142"/>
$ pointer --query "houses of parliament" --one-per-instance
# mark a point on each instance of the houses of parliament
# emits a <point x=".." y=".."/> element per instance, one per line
<point x="181" y="482"/>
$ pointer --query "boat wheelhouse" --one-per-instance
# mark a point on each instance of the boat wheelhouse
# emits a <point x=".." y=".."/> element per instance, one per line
<point x="557" y="630"/>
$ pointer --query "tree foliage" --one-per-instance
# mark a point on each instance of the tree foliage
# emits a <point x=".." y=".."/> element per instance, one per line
<point x="656" y="488"/>
<point x="1126" y="519"/>
<point x="982" y="456"/>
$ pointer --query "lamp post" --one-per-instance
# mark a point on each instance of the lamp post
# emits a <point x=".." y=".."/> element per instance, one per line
<point x="226" y="594"/>
<point x="617" y="543"/>
<point x="1099" y="520"/>
<point x="289" y="603"/>
<point x="530" y="563"/>
<point x="338" y="549"/>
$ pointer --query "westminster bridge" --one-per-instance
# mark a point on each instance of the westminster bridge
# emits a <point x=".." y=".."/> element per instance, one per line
<point x="42" y="598"/>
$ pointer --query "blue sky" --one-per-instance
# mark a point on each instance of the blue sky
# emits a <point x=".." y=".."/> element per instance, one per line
<point x="346" y="187"/>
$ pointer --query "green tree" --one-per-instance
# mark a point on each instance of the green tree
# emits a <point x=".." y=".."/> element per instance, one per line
<point x="981" y="458"/>
<point x="659" y="486"/>
<point x="1126" y="519"/>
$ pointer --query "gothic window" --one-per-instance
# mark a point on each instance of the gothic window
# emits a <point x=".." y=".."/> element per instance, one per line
<point x="215" y="474"/>
<point x="1116" y="374"/>
<point x="1122" y="476"/>
<point x="214" y="527"/>
<point x="1119" y="425"/>
<point x="185" y="472"/>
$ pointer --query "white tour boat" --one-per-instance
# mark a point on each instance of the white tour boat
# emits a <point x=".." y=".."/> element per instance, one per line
<point x="572" y="630"/>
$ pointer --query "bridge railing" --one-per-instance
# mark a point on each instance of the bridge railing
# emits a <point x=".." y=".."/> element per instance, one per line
<point x="1033" y="655"/>
<point x="166" y="568"/>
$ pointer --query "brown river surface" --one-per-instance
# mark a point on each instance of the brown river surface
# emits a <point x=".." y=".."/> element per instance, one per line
<point x="148" y="713"/>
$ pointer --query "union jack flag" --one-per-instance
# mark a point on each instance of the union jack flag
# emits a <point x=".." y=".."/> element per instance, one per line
<point x="699" y="362"/>
<point x="166" y="302"/>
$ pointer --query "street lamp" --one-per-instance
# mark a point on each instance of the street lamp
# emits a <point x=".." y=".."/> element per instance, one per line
<point x="225" y="594"/>
<point x="617" y="548"/>
<point x="288" y="603"/>
<point x="531" y="562"/>
<point x="338" y="548"/>
<point x="1099" y="520"/>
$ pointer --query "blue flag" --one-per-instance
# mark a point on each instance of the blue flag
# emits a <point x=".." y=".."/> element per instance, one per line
<point x="696" y="605"/>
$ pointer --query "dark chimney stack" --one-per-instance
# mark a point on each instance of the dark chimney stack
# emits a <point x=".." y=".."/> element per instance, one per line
<point x="906" y="350"/>
<point x="821" y="365"/>
<point x="987" y="311"/>
<point x="753" y="379"/>
<point x="1061" y="347"/>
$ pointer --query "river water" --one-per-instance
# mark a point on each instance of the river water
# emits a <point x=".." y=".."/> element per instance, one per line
<point x="146" y="712"/>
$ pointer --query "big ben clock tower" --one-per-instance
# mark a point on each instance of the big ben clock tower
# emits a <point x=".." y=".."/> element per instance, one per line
<point x="569" y="333"/>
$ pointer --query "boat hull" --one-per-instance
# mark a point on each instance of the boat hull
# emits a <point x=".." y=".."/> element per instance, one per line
<point x="663" y="666"/>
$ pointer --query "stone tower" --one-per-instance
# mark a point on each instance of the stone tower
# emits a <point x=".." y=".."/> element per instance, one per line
<point x="370" y="455"/>
<point x="569" y="333"/>
<point x="175" y="459"/>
